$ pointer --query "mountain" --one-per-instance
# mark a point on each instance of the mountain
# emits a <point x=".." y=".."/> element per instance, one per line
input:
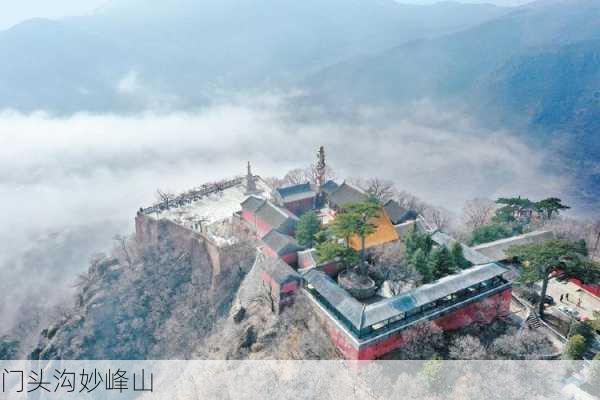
<point x="454" y="64"/>
<point x="533" y="70"/>
<point x="179" y="53"/>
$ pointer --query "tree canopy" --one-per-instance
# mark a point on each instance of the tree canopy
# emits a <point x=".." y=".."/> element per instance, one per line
<point x="308" y="227"/>
<point x="539" y="260"/>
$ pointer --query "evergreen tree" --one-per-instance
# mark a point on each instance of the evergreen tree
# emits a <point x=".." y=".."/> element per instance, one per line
<point x="420" y="263"/>
<point x="539" y="260"/>
<point x="575" y="347"/>
<point x="308" y="226"/>
<point x="440" y="262"/>
<point x="458" y="258"/>
<point x="550" y="206"/>
<point x="415" y="240"/>
<point x="490" y="233"/>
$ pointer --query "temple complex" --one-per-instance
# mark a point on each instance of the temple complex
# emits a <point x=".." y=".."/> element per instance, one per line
<point x="245" y="210"/>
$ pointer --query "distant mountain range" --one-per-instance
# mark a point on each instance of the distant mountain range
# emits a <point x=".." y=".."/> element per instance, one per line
<point x="534" y="67"/>
<point x="129" y="55"/>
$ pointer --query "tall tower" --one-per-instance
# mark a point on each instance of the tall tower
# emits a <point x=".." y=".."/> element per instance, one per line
<point x="250" y="182"/>
<point x="321" y="166"/>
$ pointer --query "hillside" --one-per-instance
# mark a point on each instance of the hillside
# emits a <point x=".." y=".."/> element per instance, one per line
<point x="180" y="53"/>
<point x="533" y="71"/>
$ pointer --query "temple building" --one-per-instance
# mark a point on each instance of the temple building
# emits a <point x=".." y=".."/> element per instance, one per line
<point x="217" y="220"/>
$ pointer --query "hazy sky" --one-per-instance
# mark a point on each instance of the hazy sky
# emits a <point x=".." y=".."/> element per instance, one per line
<point x="14" y="12"/>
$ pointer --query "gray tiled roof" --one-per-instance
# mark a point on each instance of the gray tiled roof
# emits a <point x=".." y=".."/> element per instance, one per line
<point x="473" y="256"/>
<point x="350" y="308"/>
<point x="394" y="211"/>
<point x="307" y="258"/>
<point x="275" y="216"/>
<point x="296" y="192"/>
<point x="362" y="316"/>
<point x="496" y="250"/>
<point x="329" y="186"/>
<point x="252" y="203"/>
<point x="346" y="194"/>
<point x="277" y="269"/>
<point x="386" y="309"/>
<point x="280" y="243"/>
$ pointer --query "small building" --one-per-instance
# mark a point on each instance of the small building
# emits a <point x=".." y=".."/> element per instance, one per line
<point x="397" y="213"/>
<point x="345" y="194"/>
<point x="384" y="233"/>
<point x="308" y="259"/>
<point x="496" y="250"/>
<point x="278" y="245"/>
<point x="368" y="331"/>
<point x="280" y="280"/>
<point x="265" y="216"/>
<point x="298" y="199"/>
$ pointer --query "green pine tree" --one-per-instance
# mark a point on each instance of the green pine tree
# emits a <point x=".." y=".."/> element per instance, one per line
<point x="440" y="262"/>
<point x="420" y="263"/>
<point x="458" y="257"/>
<point x="308" y="227"/>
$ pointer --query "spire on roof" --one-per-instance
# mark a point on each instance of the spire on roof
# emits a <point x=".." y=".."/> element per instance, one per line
<point x="250" y="181"/>
<point x="321" y="167"/>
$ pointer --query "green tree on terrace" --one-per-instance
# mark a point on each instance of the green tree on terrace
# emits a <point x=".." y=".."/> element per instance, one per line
<point x="490" y="233"/>
<point x="458" y="257"/>
<point x="308" y="227"/>
<point x="362" y="214"/>
<point x="550" y="207"/>
<point x="415" y="240"/>
<point x="420" y="263"/>
<point x="540" y="260"/>
<point x="331" y="249"/>
<point x="440" y="262"/>
<point x="575" y="347"/>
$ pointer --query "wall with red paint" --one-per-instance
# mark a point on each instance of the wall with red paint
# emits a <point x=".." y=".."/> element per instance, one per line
<point x="484" y="311"/>
<point x="260" y="226"/>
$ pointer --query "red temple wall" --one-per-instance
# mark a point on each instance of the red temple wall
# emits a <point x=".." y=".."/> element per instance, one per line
<point x="484" y="311"/>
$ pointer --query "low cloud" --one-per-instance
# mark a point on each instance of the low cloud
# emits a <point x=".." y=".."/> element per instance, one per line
<point x="95" y="171"/>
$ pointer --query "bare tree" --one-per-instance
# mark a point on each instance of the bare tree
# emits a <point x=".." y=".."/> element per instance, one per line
<point x="382" y="189"/>
<point x="165" y="197"/>
<point x="124" y="248"/>
<point x="467" y="348"/>
<point x="410" y="202"/>
<point x="478" y="212"/>
<point x="266" y="295"/>
<point x="423" y="341"/>
<point x="439" y="218"/>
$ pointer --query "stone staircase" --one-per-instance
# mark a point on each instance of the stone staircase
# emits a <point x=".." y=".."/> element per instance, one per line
<point x="533" y="321"/>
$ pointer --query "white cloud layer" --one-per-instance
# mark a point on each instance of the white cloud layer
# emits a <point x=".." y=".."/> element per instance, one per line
<point x="97" y="170"/>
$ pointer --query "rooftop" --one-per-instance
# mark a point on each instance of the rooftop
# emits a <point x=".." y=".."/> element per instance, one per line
<point x="275" y="216"/>
<point x="296" y="192"/>
<point x="346" y="194"/>
<point x="471" y="254"/>
<point x="276" y="268"/>
<point x="496" y="250"/>
<point x="395" y="211"/>
<point x="280" y="243"/>
<point x="361" y="315"/>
